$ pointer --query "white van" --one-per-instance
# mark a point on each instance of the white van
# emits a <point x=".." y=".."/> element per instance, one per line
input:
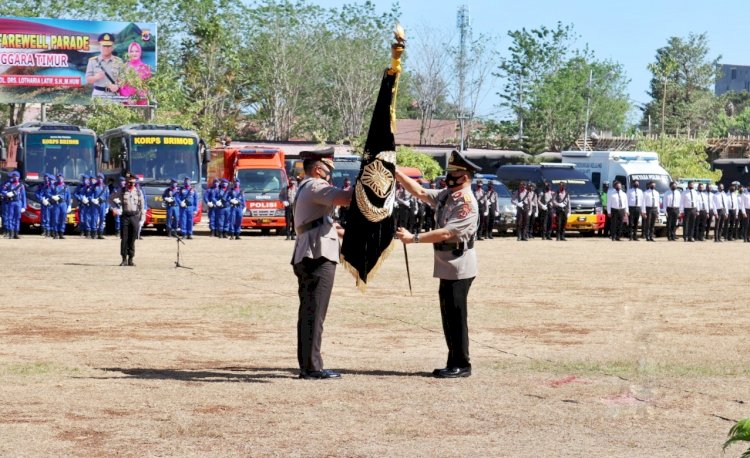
<point x="625" y="167"/>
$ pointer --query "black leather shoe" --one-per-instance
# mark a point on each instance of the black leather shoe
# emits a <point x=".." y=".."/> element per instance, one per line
<point x="319" y="375"/>
<point x="453" y="372"/>
<point x="130" y="262"/>
<point x="124" y="262"/>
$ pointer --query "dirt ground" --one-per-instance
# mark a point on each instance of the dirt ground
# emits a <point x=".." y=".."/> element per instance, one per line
<point x="584" y="348"/>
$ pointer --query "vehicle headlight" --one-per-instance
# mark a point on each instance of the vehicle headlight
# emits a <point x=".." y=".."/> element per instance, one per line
<point x="279" y="212"/>
<point x="34" y="204"/>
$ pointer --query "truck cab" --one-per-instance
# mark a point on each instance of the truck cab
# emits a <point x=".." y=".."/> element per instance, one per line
<point x="36" y="148"/>
<point x="262" y="174"/>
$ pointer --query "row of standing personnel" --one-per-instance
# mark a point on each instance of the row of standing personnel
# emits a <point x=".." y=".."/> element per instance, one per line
<point x="698" y="208"/>
<point x="541" y="206"/>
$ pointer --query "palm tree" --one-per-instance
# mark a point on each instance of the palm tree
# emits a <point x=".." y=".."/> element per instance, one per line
<point x="739" y="432"/>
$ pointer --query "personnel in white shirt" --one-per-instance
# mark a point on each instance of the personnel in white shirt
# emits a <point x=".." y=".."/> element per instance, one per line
<point x="700" y="224"/>
<point x="732" y="212"/>
<point x="635" y="202"/>
<point x="689" y="212"/>
<point x="744" y="211"/>
<point x="720" y="201"/>
<point x="709" y="208"/>
<point x="617" y="209"/>
<point x="671" y="203"/>
<point x="650" y="211"/>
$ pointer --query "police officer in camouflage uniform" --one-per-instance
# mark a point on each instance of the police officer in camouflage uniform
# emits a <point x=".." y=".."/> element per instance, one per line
<point x="455" y="259"/>
<point x="103" y="71"/>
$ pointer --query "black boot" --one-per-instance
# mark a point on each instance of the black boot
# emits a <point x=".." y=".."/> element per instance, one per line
<point x="100" y="236"/>
<point x="15" y="235"/>
<point x="237" y="237"/>
<point x="55" y="236"/>
<point x="124" y="261"/>
<point x="190" y="236"/>
<point x="130" y="261"/>
<point x="92" y="235"/>
<point x="61" y="235"/>
<point x="117" y="233"/>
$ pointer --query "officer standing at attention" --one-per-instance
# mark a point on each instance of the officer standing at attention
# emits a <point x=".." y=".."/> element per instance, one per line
<point x="208" y="200"/>
<point x="291" y="197"/>
<point x="491" y="212"/>
<point x="617" y="209"/>
<point x="83" y="205"/>
<point x="221" y="204"/>
<point x="133" y="206"/>
<point x="546" y="211"/>
<point x="170" y="197"/>
<point x="188" y="200"/>
<point x="481" y="196"/>
<point x="689" y="212"/>
<point x="635" y="202"/>
<point x="703" y="209"/>
<point x="236" y="209"/>
<point x="103" y="71"/>
<point x="521" y="200"/>
<point x="59" y="204"/>
<point x="732" y="212"/>
<point x="561" y="203"/>
<point x="650" y="211"/>
<point x="454" y="255"/>
<point x="15" y="199"/>
<point x="316" y="253"/>
<point x="42" y="196"/>
<point x="98" y="211"/>
<point x="671" y="204"/>
<point x="744" y="213"/>
<point x="117" y="207"/>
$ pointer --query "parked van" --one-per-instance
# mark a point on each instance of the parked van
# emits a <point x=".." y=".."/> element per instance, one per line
<point x="586" y="214"/>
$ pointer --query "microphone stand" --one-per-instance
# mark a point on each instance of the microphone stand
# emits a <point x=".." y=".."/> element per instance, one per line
<point x="177" y="263"/>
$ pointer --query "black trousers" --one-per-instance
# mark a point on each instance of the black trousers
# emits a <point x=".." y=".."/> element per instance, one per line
<point x="562" y="220"/>
<point x="522" y="222"/>
<point x="744" y="226"/>
<point x="635" y="216"/>
<point x="481" y="224"/>
<point x="315" y="281"/>
<point x="649" y="222"/>
<point x="129" y="232"/>
<point x="545" y="217"/>
<point x="707" y="227"/>
<point x="721" y="219"/>
<point x="701" y="225"/>
<point x="618" y="221"/>
<point x="489" y="223"/>
<point x="453" y="304"/>
<point x="731" y="226"/>
<point x="673" y="214"/>
<point x="688" y="231"/>
<point x="289" y="217"/>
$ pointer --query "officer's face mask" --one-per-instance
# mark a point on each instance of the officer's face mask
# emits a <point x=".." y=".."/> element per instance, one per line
<point x="14" y="179"/>
<point x="454" y="180"/>
<point x="636" y="185"/>
<point x="652" y="186"/>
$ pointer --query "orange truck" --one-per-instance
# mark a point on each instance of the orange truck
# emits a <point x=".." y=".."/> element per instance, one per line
<point x="262" y="175"/>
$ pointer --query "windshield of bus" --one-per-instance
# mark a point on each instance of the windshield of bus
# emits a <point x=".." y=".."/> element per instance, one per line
<point x="160" y="158"/>
<point x="261" y="180"/>
<point x="72" y="155"/>
<point x="661" y="181"/>
<point x="576" y="182"/>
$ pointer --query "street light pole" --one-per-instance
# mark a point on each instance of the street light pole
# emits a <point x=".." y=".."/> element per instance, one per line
<point x="588" y="111"/>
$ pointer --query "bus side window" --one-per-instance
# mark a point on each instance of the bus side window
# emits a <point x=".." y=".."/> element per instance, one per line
<point x="115" y="152"/>
<point x="596" y="179"/>
<point x="622" y="181"/>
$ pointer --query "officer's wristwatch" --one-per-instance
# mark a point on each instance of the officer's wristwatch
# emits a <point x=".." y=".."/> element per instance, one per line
<point x="416" y="238"/>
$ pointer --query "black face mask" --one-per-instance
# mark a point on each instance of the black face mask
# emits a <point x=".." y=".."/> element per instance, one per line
<point x="452" y="181"/>
<point x="636" y="185"/>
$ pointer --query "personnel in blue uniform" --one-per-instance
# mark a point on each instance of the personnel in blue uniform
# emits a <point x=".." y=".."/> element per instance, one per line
<point x="221" y="204"/>
<point x="15" y="198"/>
<point x="208" y="200"/>
<point x="170" y="197"/>
<point x="59" y="204"/>
<point x="98" y="197"/>
<point x="188" y="203"/>
<point x="4" y="207"/>
<point x="81" y="194"/>
<point x="42" y="196"/>
<point x="236" y="209"/>
<point x="116" y="205"/>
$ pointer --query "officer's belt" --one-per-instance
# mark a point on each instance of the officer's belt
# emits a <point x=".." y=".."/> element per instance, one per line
<point x="311" y="225"/>
<point x="443" y="246"/>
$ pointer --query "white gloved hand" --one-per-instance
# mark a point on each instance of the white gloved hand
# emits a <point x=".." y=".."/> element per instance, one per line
<point x="219" y="203"/>
<point x="95" y="201"/>
<point x="117" y="200"/>
<point x="183" y="204"/>
<point x="9" y="194"/>
<point x="234" y="201"/>
<point x="85" y="200"/>
<point x="286" y="203"/>
<point x="169" y="199"/>
<point x="56" y="198"/>
<point x="210" y="204"/>
<point x="486" y="213"/>
<point x="45" y="201"/>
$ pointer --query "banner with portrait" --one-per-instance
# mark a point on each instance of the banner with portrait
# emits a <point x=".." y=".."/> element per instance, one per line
<point x="61" y="61"/>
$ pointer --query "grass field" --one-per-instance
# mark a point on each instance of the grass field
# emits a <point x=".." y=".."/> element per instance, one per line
<point x="584" y="348"/>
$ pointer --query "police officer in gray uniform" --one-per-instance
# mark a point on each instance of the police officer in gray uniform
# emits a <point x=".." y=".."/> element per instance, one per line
<point x="316" y="253"/>
<point x="103" y="71"/>
<point x="455" y="258"/>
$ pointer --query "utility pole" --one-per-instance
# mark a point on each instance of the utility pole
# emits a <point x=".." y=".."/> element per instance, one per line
<point x="588" y="111"/>
<point x="462" y="22"/>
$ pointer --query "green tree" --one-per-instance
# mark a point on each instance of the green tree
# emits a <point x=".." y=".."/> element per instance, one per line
<point x="740" y="432"/>
<point x="681" y="87"/>
<point x="682" y="157"/>
<point x="407" y="157"/>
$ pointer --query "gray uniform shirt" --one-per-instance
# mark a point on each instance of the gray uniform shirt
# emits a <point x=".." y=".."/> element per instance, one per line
<point x="130" y="201"/>
<point x="112" y="66"/>
<point x="459" y="215"/>
<point x="314" y="201"/>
